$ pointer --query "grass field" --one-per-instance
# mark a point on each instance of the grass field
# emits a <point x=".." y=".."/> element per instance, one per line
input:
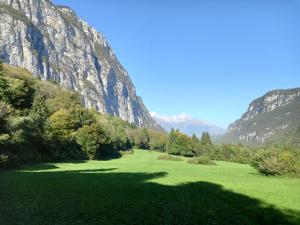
<point x="139" y="189"/>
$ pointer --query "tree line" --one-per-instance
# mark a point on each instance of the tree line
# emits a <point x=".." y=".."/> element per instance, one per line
<point x="41" y="121"/>
<point x="268" y="160"/>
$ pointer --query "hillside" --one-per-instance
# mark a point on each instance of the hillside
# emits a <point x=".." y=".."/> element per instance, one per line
<point x="273" y="118"/>
<point x="54" y="44"/>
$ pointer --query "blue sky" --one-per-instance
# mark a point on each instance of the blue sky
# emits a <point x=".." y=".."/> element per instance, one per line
<point x="208" y="58"/>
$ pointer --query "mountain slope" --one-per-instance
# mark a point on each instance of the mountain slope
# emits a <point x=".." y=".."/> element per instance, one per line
<point x="187" y="125"/>
<point x="272" y="118"/>
<point x="54" y="44"/>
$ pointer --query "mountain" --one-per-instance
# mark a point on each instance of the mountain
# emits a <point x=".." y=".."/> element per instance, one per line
<point x="272" y="118"/>
<point x="187" y="124"/>
<point x="54" y="44"/>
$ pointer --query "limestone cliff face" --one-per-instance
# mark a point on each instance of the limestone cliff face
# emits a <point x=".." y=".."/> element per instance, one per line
<point x="272" y="117"/>
<point x="53" y="43"/>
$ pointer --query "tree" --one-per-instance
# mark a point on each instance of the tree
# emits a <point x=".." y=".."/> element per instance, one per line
<point x="205" y="139"/>
<point x="172" y="147"/>
<point x="38" y="117"/>
<point x="141" y="139"/>
<point x="3" y="84"/>
<point x="21" y="93"/>
<point x="119" y="140"/>
<point x="180" y="144"/>
<point x="63" y="123"/>
<point x="158" y="140"/>
<point x="195" y="138"/>
<point x="94" y="140"/>
<point x="5" y="111"/>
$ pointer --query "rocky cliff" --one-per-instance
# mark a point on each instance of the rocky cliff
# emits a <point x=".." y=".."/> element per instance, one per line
<point x="53" y="43"/>
<point x="274" y="117"/>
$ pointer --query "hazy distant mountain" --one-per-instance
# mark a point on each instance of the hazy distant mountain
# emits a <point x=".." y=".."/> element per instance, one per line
<point x="53" y="43"/>
<point x="186" y="124"/>
<point x="272" y="118"/>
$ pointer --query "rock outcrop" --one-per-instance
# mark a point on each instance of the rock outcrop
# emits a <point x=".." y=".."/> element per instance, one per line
<point x="54" y="44"/>
<point x="274" y="117"/>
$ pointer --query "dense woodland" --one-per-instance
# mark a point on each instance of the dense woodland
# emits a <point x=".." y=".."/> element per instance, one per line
<point x="41" y="121"/>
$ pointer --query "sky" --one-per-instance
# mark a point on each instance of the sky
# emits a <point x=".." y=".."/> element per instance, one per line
<point x="205" y="58"/>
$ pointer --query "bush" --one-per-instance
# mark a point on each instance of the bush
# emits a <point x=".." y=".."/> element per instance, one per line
<point x="204" y="160"/>
<point x="126" y="152"/>
<point x="275" y="163"/>
<point x="169" y="157"/>
<point x="8" y="161"/>
<point x="4" y="161"/>
<point x="232" y="153"/>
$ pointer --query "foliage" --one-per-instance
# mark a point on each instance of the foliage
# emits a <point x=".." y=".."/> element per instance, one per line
<point x="169" y="157"/>
<point x="5" y="111"/>
<point x="41" y="121"/>
<point x="275" y="162"/>
<point x="4" y="94"/>
<point x="94" y="140"/>
<point x="232" y="153"/>
<point x="20" y="93"/>
<point x="4" y="161"/>
<point x="204" y="160"/>
<point x="126" y="152"/>
<point x="205" y="139"/>
<point x="181" y="144"/>
<point x="139" y="138"/>
<point x="157" y="141"/>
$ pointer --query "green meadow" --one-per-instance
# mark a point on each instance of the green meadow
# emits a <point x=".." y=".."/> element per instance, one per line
<point x="139" y="189"/>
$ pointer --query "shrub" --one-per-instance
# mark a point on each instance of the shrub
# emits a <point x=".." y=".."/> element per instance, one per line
<point x="232" y="153"/>
<point x="4" y="161"/>
<point x="169" y="157"/>
<point x="204" y="160"/>
<point x="275" y="163"/>
<point x="126" y="152"/>
<point x="8" y="161"/>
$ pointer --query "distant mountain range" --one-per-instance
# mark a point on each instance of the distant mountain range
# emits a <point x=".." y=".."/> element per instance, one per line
<point x="187" y="124"/>
<point x="272" y="118"/>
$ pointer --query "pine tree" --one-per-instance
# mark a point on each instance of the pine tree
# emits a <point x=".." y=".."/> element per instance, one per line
<point x="195" y="138"/>
<point x="205" y="139"/>
<point x="171" y="145"/>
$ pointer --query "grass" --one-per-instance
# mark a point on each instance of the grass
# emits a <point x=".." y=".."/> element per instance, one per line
<point x="139" y="189"/>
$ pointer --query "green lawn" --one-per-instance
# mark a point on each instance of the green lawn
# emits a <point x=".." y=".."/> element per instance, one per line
<point x="139" y="189"/>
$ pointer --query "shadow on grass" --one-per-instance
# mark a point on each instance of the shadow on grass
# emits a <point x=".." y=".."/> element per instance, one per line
<point x="79" y="198"/>
<point x="37" y="167"/>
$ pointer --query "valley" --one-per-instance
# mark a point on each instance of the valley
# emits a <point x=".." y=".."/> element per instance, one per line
<point x="139" y="189"/>
<point x="79" y="146"/>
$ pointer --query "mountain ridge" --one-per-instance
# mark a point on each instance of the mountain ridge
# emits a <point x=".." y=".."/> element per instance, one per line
<point x="187" y="124"/>
<point x="271" y="118"/>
